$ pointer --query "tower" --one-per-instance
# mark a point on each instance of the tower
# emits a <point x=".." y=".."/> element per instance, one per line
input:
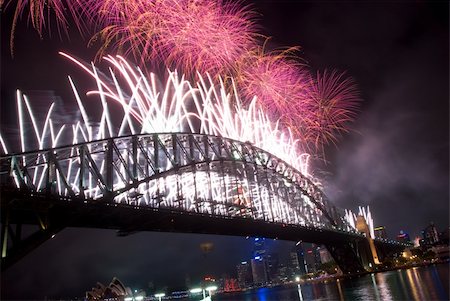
<point x="362" y="226"/>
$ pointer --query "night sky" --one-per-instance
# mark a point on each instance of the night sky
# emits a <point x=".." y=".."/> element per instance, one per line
<point x="395" y="158"/>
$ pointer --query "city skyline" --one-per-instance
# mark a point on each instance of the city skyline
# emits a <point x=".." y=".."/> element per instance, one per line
<point x="395" y="158"/>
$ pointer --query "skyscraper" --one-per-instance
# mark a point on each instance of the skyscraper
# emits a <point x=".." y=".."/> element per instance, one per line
<point x="294" y="266"/>
<point x="403" y="236"/>
<point x="380" y="232"/>
<point x="312" y="257"/>
<point x="244" y="270"/>
<point x="259" y="272"/>
<point x="259" y="248"/>
<point x="430" y="235"/>
<point x="325" y="256"/>
<point x="259" y="261"/>
<point x="301" y="258"/>
<point x="272" y="262"/>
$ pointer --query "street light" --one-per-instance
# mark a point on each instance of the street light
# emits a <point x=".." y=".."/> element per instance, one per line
<point x="198" y="290"/>
<point x="211" y="289"/>
<point x="139" y="298"/>
<point x="159" y="296"/>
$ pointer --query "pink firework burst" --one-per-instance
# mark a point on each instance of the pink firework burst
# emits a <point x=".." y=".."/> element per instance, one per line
<point x="191" y="35"/>
<point x="332" y="103"/>
<point x="127" y="26"/>
<point x="278" y="81"/>
<point x="204" y="35"/>
<point x="104" y="13"/>
<point x="40" y="10"/>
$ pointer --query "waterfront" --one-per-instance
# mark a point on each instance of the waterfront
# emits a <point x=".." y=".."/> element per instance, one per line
<point x="418" y="283"/>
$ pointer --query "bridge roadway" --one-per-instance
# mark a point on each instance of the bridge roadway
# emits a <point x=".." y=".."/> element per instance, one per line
<point x="170" y="182"/>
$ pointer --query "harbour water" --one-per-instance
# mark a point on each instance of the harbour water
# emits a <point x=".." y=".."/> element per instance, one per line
<point x="419" y="283"/>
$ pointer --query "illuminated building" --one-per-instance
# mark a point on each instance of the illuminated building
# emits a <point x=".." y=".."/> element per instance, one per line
<point x="380" y="232"/>
<point x="259" y="247"/>
<point x="301" y="258"/>
<point x="442" y="252"/>
<point x="272" y="263"/>
<point x="115" y="290"/>
<point x="403" y="236"/>
<point x="430" y="235"/>
<point x="325" y="256"/>
<point x="282" y="272"/>
<point x="231" y="285"/>
<point x="294" y="264"/>
<point x="260" y="262"/>
<point x="444" y="236"/>
<point x="312" y="257"/>
<point x="259" y="272"/>
<point x="244" y="271"/>
<point x="417" y="241"/>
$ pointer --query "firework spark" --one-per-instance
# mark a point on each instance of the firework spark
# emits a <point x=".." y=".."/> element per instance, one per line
<point x="331" y="104"/>
<point x="179" y="106"/>
<point x="203" y="35"/>
<point x="275" y="78"/>
<point x="39" y="9"/>
<point x="208" y="36"/>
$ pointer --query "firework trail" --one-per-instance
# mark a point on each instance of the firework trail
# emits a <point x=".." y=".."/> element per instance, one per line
<point x="217" y="38"/>
<point x="39" y="12"/>
<point x="274" y="78"/>
<point x="280" y="85"/>
<point x="203" y="35"/>
<point x="351" y="219"/>
<point x="179" y="106"/>
<point x="331" y="104"/>
<point x="202" y="107"/>
<point x="208" y="36"/>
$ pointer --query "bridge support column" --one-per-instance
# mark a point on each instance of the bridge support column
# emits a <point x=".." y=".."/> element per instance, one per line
<point x="19" y="209"/>
<point x="362" y="227"/>
<point x="348" y="256"/>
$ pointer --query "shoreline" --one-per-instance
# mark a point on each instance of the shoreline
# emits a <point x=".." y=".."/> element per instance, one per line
<point x="337" y="277"/>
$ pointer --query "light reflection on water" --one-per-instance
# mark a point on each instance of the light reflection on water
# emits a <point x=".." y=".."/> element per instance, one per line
<point x="420" y="283"/>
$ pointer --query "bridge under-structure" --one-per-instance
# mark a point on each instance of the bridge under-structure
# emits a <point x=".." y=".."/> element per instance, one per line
<point x="178" y="182"/>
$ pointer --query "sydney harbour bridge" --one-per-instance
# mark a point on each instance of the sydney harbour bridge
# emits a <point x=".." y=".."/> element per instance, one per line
<point x="179" y="182"/>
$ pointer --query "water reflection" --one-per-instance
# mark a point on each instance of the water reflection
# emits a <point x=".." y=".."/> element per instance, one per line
<point x="377" y="293"/>
<point x="383" y="288"/>
<point x="299" y="289"/>
<point x="422" y="283"/>
<point x="341" y="295"/>
<point x="400" y="274"/>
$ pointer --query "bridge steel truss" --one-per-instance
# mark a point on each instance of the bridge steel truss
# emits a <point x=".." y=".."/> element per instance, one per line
<point x="191" y="172"/>
<point x="195" y="173"/>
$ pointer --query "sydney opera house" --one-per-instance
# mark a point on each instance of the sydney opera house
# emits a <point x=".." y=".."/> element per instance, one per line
<point x="114" y="291"/>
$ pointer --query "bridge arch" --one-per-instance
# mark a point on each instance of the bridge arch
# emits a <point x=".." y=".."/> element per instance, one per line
<point x="169" y="182"/>
<point x="183" y="171"/>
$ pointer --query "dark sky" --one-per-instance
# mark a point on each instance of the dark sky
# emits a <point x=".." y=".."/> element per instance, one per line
<point x="395" y="159"/>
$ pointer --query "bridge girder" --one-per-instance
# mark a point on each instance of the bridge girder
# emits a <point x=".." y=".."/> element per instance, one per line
<point x="173" y="170"/>
<point x="182" y="176"/>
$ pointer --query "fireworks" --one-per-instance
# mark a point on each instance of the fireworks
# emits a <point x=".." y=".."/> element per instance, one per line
<point x="351" y="219"/>
<point x="149" y="108"/>
<point x="37" y="11"/>
<point x="208" y="36"/>
<point x="331" y="104"/>
<point x="283" y="108"/>
<point x="179" y="106"/>
<point x="276" y="80"/>
<point x="203" y="35"/>
<point x="126" y="26"/>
